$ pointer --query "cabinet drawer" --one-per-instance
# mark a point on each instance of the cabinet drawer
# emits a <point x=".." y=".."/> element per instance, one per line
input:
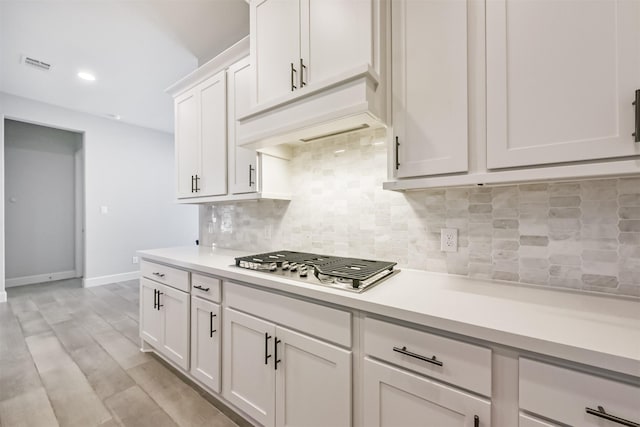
<point x="564" y="395"/>
<point x="206" y="287"/>
<point x="459" y="363"/>
<point x="170" y="276"/>
<point x="320" y="321"/>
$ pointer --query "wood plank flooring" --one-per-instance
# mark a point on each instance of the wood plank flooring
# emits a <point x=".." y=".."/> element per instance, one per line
<point x="70" y="356"/>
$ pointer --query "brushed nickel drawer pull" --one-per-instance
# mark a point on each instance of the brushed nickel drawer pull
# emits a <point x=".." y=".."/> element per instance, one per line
<point x="404" y="351"/>
<point x="600" y="412"/>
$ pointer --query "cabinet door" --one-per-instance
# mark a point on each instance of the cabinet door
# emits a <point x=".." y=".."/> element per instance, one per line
<point x="275" y="46"/>
<point x="174" y="306"/>
<point x="205" y="342"/>
<point x="187" y="140"/>
<point x="429" y="63"/>
<point x="313" y="382"/>
<point x="242" y="161"/>
<point x="336" y="36"/>
<point x="249" y="375"/>
<point x="150" y="316"/>
<point x="213" y="125"/>
<point x="561" y="77"/>
<point x="395" y="397"/>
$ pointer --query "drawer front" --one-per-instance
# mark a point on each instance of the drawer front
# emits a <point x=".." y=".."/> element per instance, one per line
<point x="563" y="395"/>
<point x="206" y="287"/>
<point x="456" y="362"/>
<point x="169" y="276"/>
<point x="317" y="320"/>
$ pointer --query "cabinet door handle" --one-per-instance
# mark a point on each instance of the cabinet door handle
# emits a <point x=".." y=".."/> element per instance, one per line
<point x="193" y="179"/>
<point x="211" y="330"/>
<point x="267" y="337"/>
<point x="201" y="288"/>
<point x="397" y="153"/>
<point x="158" y="274"/>
<point x="600" y="412"/>
<point x="251" y="170"/>
<point x="160" y="305"/>
<point x="406" y="352"/>
<point x="275" y="364"/>
<point x="302" y="68"/>
<point x="476" y="421"/>
<point x="293" y="81"/>
<point x="155" y="299"/>
<point x="636" y="103"/>
<point x="197" y="178"/>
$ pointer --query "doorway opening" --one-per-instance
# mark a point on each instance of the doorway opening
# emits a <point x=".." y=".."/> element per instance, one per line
<point x="44" y="204"/>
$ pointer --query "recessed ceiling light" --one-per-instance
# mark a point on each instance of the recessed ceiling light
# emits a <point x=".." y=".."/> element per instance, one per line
<point x="86" y="76"/>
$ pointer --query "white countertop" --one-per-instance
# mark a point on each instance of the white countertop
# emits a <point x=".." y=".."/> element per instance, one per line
<point x="591" y="329"/>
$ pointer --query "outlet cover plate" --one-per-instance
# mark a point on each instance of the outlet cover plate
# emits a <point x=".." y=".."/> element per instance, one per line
<point x="449" y="240"/>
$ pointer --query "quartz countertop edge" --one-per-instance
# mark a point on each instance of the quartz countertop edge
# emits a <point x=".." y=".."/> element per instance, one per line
<point x="586" y="328"/>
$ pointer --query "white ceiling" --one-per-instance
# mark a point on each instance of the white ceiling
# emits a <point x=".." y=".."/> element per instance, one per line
<point x="136" y="49"/>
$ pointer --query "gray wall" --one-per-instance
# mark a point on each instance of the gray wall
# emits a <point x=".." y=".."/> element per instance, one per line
<point x="39" y="199"/>
<point x="582" y="235"/>
<point x="128" y="168"/>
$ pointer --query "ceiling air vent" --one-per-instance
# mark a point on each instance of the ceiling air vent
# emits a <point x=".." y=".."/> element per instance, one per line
<point x="36" y="63"/>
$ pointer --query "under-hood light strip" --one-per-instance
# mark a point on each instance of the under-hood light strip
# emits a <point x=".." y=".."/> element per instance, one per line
<point x="327" y="135"/>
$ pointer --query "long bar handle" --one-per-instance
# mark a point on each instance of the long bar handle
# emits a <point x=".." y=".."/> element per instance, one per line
<point x="275" y="364"/>
<point x="397" y="153"/>
<point x="251" y="170"/>
<point x="211" y="330"/>
<point x="406" y="352"/>
<point x="293" y="86"/>
<point x="267" y="337"/>
<point x="476" y="421"/>
<point x="193" y="178"/>
<point x="160" y="305"/>
<point x="155" y="299"/>
<point x="636" y="103"/>
<point x="302" y="68"/>
<point x="201" y="288"/>
<point x="600" y="412"/>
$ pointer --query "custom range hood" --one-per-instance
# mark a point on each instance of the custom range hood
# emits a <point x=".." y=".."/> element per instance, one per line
<point x="352" y="101"/>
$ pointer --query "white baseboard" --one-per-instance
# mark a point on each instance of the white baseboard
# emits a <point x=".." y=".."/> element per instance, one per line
<point x="3" y="296"/>
<point x="39" y="278"/>
<point x="113" y="278"/>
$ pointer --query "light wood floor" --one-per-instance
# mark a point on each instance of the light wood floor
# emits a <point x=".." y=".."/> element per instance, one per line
<point x="70" y="356"/>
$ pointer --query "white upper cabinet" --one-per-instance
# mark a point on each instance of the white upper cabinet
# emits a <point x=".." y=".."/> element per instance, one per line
<point x="296" y="43"/>
<point x="242" y="161"/>
<point x="187" y="143"/>
<point x="561" y="77"/>
<point x="336" y="36"/>
<point x="275" y="30"/>
<point x="213" y="119"/>
<point x="201" y="131"/>
<point x="429" y="69"/>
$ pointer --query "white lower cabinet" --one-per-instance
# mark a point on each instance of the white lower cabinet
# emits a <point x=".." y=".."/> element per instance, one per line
<point x="165" y="320"/>
<point x="205" y="342"/>
<point x="529" y="421"/>
<point x="283" y="378"/>
<point x="569" y="397"/>
<point x="395" y="397"/>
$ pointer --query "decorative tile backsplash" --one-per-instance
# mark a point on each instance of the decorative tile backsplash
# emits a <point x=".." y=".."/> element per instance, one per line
<point x="582" y="235"/>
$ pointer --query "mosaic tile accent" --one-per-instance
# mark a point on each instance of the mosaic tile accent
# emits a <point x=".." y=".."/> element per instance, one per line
<point x="582" y="235"/>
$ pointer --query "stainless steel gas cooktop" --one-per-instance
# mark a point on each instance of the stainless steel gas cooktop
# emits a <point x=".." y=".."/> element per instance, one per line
<point x="350" y="274"/>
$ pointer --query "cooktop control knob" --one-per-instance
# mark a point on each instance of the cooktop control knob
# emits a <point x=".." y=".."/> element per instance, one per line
<point x="302" y="270"/>
<point x="285" y="265"/>
<point x="273" y="266"/>
<point x="293" y="267"/>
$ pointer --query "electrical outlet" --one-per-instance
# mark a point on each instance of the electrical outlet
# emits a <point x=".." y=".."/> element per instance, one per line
<point x="449" y="240"/>
<point x="134" y="260"/>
